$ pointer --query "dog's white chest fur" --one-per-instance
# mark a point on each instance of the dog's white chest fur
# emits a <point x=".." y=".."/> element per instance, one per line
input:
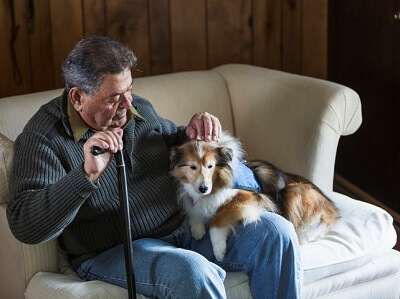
<point x="200" y="209"/>
<point x="208" y="205"/>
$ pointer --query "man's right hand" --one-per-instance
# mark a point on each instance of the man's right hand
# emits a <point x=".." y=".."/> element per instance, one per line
<point x="111" y="141"/>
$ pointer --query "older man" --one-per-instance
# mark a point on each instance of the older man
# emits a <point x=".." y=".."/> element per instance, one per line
<point x="61" y="190"/>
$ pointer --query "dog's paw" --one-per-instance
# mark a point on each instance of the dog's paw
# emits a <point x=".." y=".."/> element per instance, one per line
<point x="198" y="231"/>
<point x="219" y="251"/>
<point x="218" y="238"/>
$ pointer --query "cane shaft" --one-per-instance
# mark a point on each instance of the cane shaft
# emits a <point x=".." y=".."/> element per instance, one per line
<point x="124" y="206"/>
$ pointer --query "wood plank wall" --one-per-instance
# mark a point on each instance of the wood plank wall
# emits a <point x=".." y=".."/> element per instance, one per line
<point x="166" y="35"/>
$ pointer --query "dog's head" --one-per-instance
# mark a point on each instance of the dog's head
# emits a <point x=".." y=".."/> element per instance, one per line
<point x="202" y="167"/>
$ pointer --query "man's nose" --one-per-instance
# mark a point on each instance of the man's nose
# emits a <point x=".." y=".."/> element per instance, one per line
<point x="126" y="100"/>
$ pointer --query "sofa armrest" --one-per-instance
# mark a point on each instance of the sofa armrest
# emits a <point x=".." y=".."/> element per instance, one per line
<point x="291" y="120"/>
<point x="20" y="262"/>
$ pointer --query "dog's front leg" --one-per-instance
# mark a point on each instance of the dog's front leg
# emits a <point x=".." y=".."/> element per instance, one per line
<point x="219" y="236"/>
<point x="197" y="226"/>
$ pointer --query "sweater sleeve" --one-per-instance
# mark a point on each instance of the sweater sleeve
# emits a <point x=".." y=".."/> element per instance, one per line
<point x="173" y="135"/>
<point x="45" y="198"/>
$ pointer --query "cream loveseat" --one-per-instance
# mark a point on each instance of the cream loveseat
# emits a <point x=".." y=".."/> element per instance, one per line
<point x="293" y="121"/>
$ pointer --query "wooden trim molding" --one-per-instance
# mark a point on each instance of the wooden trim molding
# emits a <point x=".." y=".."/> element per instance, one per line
<point x="355" y="191"/>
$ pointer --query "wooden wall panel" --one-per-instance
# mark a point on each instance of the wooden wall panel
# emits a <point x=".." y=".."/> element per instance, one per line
<point x="94" y="17"/>
<point x="166" y="35"/>
<point x="159" y="34"/>
<point x="40" y="40"/>
<point x="15" y="62"/>
<point x="22" y="47"/>
<point x="267" y="33"/>
<point x="315" y="38"/>
<point x="292" y="36"/>
<point x="188" y="35"/>
<point x="229" y="32"/>
<point x="128" y="21"/>
<point x="5" y="54"/>
<point x="66" y="31"/>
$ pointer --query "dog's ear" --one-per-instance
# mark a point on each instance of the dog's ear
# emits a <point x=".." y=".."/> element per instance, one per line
<point x="175" y="156"/>
<point x="224" y="155"/>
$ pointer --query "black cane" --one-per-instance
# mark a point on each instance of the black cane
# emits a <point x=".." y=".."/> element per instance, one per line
<point x="124" y="207"/>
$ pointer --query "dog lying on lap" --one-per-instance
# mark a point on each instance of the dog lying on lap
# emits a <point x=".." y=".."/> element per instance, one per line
<point x="206" y="173"/>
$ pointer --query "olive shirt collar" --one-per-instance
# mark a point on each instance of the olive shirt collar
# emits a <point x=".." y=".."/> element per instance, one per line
<point x="78" y="125"/>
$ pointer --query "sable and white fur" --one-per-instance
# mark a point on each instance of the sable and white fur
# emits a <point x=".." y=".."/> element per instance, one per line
<point x="204" y="171"/>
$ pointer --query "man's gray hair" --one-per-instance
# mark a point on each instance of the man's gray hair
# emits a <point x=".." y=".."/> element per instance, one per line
<point x="94" y="57"/>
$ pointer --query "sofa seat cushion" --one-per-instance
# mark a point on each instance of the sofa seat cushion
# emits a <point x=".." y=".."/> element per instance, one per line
<point x="46" y="285"/>
<point x="368" y="281"/>
<point x="362" y="233"/>
<point x="376" y="279"/>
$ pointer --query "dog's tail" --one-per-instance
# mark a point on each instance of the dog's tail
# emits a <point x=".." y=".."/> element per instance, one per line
<point x="298" y="199"/>
<point x="303" y="202"/>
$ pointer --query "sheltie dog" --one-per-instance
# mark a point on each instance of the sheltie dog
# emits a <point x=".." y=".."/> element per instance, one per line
<point x="205" y="173"/>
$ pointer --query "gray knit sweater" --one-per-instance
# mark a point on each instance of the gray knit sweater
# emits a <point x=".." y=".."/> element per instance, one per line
<point x="52" y="197"/>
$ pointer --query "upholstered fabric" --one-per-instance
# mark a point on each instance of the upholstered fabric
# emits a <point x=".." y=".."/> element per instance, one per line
<point x="362" y="233"/>
<point x="377" y="279"/>
<point x="292" y="121"/>
<point x="179" y="96"/>
<point x="20" y="262"/>
<point x="17" y="110"/>
<point x="6" y="156"/>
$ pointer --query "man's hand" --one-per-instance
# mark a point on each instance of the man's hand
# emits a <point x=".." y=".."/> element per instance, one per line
<point x="204" y="126"/>
<point x="111" y="141"/>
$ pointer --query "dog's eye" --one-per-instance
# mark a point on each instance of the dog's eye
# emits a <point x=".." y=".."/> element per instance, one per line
<point x="210" y="166"/>
<point x="194" y="167"/>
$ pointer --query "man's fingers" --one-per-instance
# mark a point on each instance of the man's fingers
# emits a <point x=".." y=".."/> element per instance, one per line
<point x="114" y="140"/>
<point x="195" y="129"/>
<point x="204" y="126"/>
<point x="108" y="140"/>
<point x="216" y="128"/>
<point x="191" y="132"/>
<point x="208" y="126"/>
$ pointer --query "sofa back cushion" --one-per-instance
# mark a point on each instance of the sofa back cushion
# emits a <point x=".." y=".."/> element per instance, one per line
<point x="6" y="157"/>
<point x="17" y="110"/>
<point x="179" y="96"/>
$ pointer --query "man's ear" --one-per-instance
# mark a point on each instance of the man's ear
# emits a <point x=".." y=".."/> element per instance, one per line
<point x="76" y="98"/>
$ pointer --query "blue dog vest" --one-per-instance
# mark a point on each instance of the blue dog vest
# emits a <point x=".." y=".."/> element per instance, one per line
<point x="244" y="178"/>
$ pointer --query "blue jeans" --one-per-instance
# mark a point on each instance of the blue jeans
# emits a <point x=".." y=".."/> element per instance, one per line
<point x="178" y="266"/>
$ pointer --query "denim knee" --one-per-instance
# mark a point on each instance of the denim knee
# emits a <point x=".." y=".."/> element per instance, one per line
<point x="279" y="228"/>
<point x="196" y="277"/>
<point x="274" y="263"/>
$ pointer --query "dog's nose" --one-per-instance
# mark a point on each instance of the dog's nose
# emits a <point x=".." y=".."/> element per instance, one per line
<point x="203" y="189"/>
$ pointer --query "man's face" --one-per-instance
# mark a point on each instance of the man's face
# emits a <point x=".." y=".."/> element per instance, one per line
<point x="107" y="108"/>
